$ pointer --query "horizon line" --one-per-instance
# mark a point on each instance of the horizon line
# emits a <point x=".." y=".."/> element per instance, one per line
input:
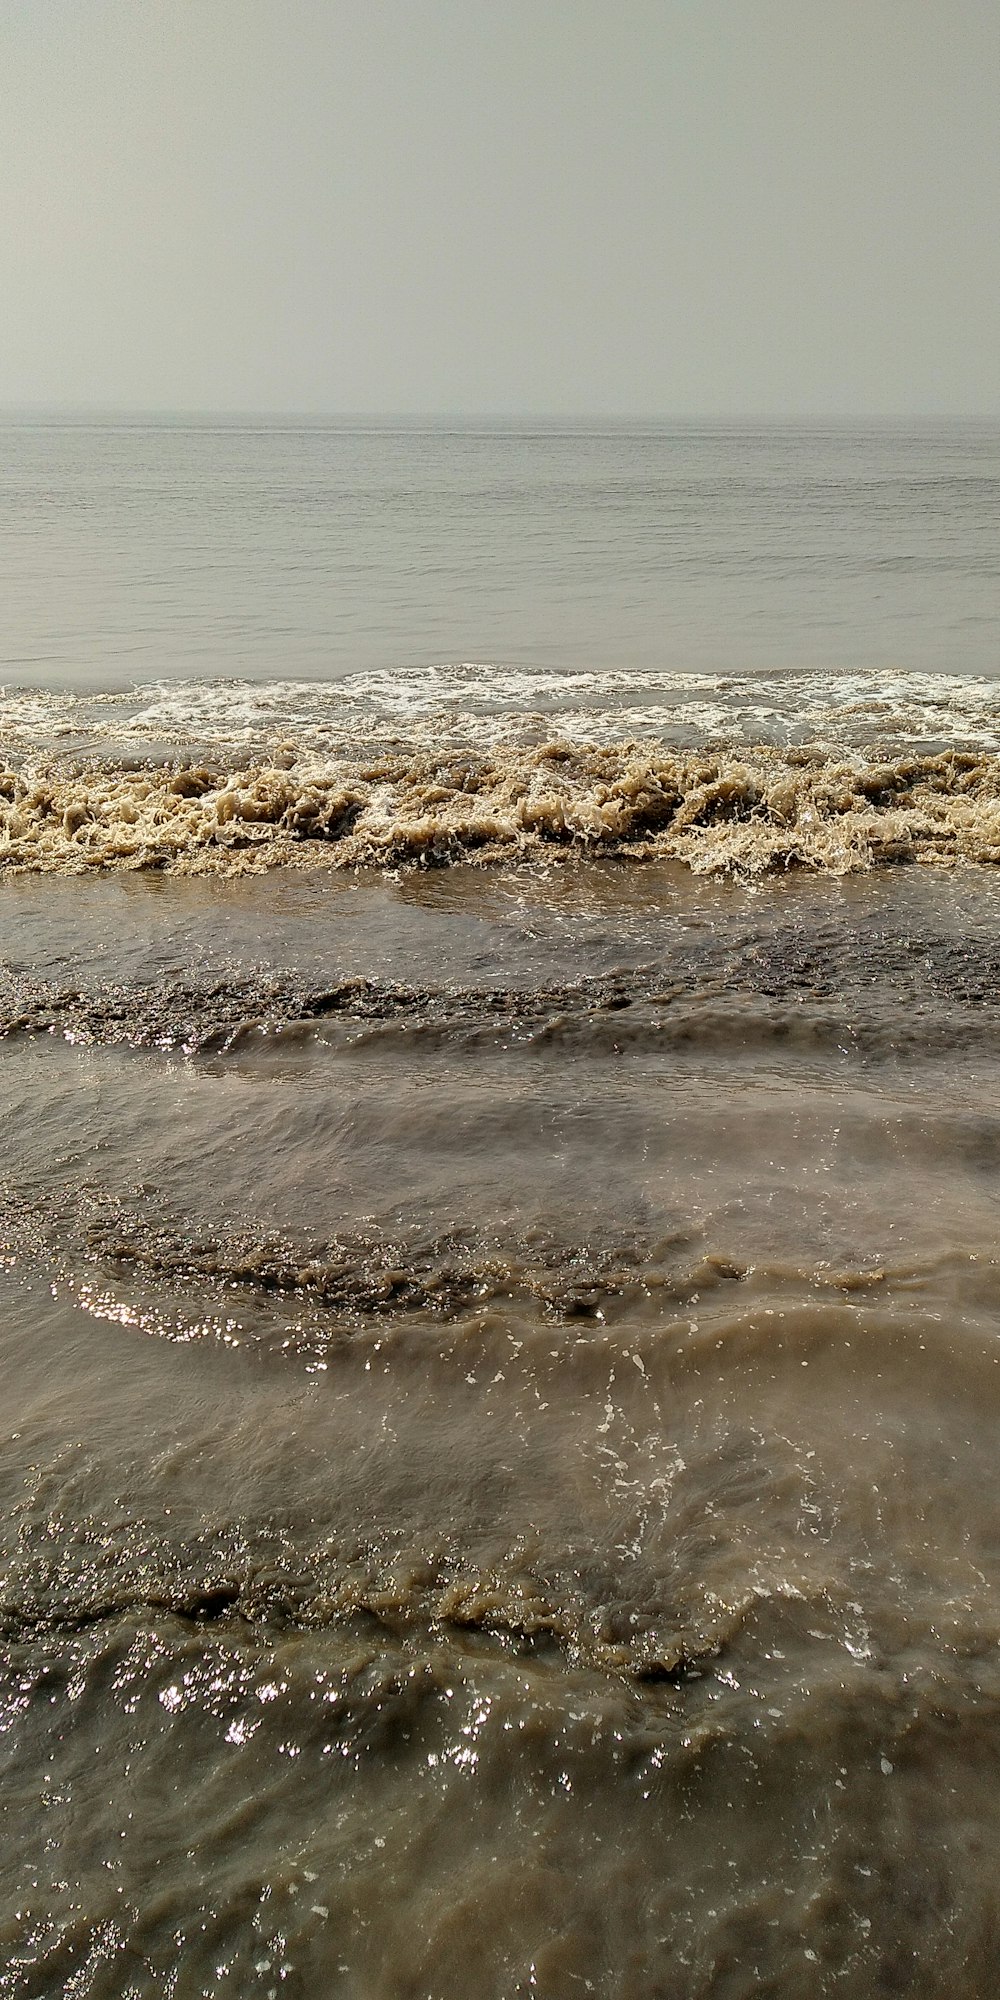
<point x="84" y="410"/>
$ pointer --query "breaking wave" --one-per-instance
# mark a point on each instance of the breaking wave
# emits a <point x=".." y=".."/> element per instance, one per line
<point x="476" y="706"/>
<point x="745" y="813"/>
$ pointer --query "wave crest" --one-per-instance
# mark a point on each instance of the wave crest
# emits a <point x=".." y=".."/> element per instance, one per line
<point x="747" y="814"/>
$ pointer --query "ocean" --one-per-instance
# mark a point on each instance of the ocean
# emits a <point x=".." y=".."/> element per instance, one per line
<point x="499" y="1277"/>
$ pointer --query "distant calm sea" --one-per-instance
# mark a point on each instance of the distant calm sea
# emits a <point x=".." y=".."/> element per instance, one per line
<point x="134" y="551"/>
<point x="499" y="1274"/>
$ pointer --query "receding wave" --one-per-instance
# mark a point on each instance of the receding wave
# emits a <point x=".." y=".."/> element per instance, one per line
<point x="746" y="814"/>
<point x="902" y="996"/>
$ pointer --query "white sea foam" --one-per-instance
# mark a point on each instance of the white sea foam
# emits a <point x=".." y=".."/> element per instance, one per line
<point x="480" y="704"/>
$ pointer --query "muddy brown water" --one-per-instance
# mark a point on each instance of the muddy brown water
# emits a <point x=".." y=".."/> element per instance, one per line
<point x="500" y="1382"/>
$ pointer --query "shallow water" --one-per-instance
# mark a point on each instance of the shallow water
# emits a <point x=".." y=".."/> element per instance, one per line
<point x="500" y="1386"/>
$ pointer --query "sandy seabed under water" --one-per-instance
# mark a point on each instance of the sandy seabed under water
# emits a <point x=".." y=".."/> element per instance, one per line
<point x="500" y="1387"/>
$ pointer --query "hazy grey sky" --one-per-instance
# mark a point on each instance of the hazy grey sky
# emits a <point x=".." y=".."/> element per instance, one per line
<point x="686" y="206"/>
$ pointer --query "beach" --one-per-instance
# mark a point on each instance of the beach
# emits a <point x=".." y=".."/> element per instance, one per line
<point x="498" y="1259"/>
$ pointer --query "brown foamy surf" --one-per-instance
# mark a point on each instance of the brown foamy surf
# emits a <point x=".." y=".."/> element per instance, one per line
<point x="748" y="813"/>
